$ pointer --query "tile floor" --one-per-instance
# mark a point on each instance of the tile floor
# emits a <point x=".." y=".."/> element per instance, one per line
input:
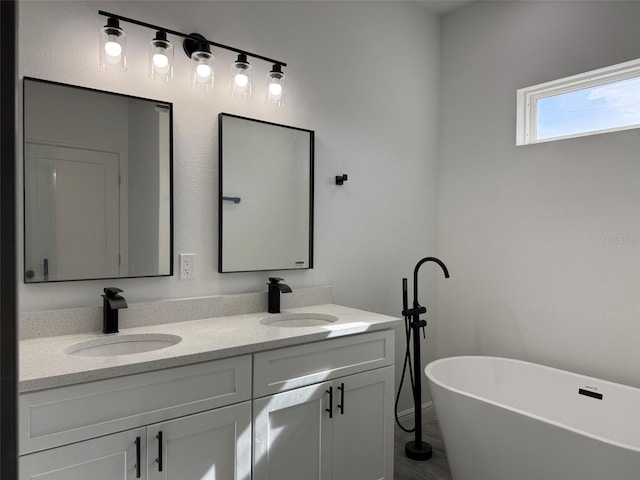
<point x="436" y="468"/>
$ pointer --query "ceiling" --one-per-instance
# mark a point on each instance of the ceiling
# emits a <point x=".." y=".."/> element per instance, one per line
<point x="442" y="7"/>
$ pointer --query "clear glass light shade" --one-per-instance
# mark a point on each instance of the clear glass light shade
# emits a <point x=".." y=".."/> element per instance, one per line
<point x="276" y="89"/>
<point x="113" y="48"/>
<point x="241" y="78"/>
<point x="161" y="60"/>
<point x="202" y="70"/>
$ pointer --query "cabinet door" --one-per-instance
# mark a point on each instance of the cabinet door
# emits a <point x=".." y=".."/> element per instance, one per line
<point x="214" y="445"/>
<point x="293" y="435"/>
<point x="114" y="457"/>
<point x="363" y="426"/>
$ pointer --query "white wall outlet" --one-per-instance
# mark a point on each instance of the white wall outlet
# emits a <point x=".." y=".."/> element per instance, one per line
<point x="186" y="266"/>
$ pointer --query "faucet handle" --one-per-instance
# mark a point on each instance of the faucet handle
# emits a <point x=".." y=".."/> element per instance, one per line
<point x="111" y="292"/>
<point x="275" y="279"/>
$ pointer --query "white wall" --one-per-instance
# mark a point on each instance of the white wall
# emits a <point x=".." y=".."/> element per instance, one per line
<point x="363" y="75"/>
<point x="543" y="241"/>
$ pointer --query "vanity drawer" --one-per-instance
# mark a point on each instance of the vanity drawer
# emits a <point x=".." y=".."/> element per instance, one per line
<point x="292" y="367"/>
<point x="58" y="416"/>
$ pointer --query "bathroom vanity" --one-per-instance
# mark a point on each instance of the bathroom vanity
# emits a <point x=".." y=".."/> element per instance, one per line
<point x="238" y="397"/>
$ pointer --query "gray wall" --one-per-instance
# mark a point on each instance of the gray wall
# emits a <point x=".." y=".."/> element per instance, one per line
<point x="543" y="241"/>
<point x="70" y="115"/>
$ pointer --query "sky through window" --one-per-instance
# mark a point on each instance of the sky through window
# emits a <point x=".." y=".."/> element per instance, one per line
<point x="603" y="107"/>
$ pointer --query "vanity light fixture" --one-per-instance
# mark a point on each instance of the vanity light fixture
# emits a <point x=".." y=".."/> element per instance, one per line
<point x="113" y="46"/>
<point x="197" y="48"/>
<point x="241" y="78"/>
<point x="202" y="61"/>
<point x="161" y="58"/>
<point x="276" y="87"/>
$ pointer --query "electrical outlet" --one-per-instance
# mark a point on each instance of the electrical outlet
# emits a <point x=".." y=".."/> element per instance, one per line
<point x="186" y="266"/>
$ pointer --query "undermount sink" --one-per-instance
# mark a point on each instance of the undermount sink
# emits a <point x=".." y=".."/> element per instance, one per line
<point x="123" y="345"/>
<point x="287" y="320"/>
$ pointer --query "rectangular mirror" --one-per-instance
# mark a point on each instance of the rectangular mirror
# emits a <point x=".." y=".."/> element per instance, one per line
<point x="97" y="184"/>
<point x="266" y="196"/>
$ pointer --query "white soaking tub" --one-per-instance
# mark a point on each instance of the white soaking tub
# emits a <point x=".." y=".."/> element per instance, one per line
<point x="504" y="419"/>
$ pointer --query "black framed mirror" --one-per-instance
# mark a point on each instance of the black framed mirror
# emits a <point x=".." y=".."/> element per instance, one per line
<point x="266" y="173"/>
<point x="98" y="184"/>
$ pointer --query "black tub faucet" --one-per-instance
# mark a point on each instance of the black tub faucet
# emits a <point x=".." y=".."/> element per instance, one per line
<point x="112" y="302"/>
<point x="416" y="449"/>
<point x="275" y="288"/>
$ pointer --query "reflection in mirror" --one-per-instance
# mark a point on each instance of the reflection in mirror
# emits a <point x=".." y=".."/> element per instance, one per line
<point x="97" y="184"/>
<point x="266" y="196"/>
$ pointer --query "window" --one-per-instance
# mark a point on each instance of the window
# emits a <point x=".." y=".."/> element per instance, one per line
<point x="604" y="100"/>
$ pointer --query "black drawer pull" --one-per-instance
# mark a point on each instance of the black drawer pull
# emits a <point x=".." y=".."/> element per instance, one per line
<point x="159" y="459"/>
<point x="341" y="405"/>
<point x="330" y="409"/>
<point x="138" y="472"/>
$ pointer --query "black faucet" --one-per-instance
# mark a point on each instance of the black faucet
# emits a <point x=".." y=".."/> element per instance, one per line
<point x="112" y="302"/>
<point x="275" y="288"/>
<point x="416" y="304"/>
<point x="417" y="449"/>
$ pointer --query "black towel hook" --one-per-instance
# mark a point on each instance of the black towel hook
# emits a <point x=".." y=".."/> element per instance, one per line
<point x="340" y="179"/>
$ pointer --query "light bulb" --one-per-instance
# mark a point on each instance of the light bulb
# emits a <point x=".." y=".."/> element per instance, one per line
<point x="241" y="80"/>
<point x="202" y="66"/>
<point x="112" y="48"/>
<point x="160" y="60"/>
<point x="275" y="89"/>
<point x="203" y="70"/>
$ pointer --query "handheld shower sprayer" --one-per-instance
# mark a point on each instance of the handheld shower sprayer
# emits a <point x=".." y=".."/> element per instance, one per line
<point x="417" y="449"/>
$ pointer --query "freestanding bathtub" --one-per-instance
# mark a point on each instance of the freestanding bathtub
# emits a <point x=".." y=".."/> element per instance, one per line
<point x="505" y="419"/>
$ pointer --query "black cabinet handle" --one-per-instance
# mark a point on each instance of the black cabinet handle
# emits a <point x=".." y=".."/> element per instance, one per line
<point x="341" y="405"/>
<point x="330" y="409"/>
<point x="159" y="459"/>
<point x="138" y="473"/>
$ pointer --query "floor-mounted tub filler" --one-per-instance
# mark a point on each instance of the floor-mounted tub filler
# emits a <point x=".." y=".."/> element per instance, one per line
<point x="504" y="419"/>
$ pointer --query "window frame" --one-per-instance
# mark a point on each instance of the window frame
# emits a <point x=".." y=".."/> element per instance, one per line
<point x="527" y="98"/>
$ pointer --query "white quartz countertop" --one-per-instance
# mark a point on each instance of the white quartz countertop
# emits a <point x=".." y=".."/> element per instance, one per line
<point x="45" y="364"/>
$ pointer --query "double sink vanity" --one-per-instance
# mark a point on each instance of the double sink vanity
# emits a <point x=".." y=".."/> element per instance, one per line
<point x="304" y="394"/>
<point x="211" y="388"/>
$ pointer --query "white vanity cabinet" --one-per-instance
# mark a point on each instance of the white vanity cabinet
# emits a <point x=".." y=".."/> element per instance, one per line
<point x="313" y="411"/>
<point x="214" y="444"/>
<point x="337" y="429"/>
<point x="363" y="428"/>
<point x="112" y="457"/>
<point x="181" y="423"/>
<point x="293" y="435"/>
